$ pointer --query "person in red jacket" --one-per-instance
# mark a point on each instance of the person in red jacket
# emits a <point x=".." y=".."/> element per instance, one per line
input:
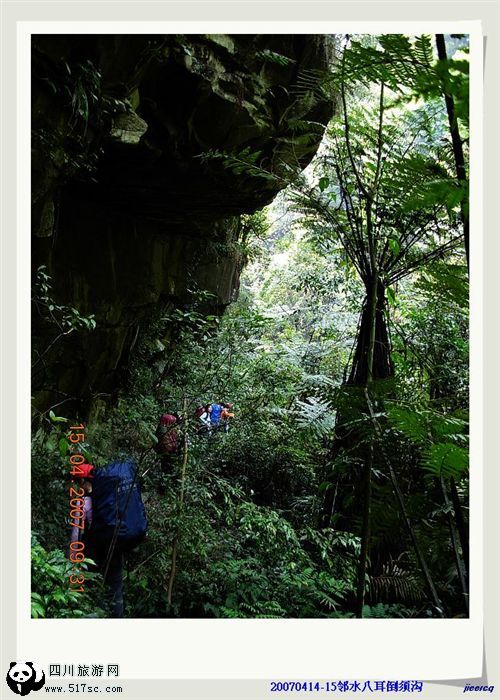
<point x="168" y="441"/>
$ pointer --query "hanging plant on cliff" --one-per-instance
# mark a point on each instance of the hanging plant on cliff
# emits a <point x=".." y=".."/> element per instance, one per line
<point x="64" y="319"/>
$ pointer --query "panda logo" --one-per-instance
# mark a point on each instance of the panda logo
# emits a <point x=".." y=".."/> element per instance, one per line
<point x="23" y="677"/>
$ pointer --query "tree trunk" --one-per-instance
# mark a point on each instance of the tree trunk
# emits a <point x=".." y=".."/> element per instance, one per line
<point x="375" y="299"/>
<point x="365" y="531"/>
<point x="379" y="356"/>
<point x="463" y="531"/>
<point x="382" y="368"/>
<point x="416" y="546"/>
<point x="454" y="545"/>
<point x="458" y="151"/>
<point x="400" y="499"/>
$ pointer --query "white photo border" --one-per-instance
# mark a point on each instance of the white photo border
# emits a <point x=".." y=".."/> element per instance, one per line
<point x="256" y="648"/>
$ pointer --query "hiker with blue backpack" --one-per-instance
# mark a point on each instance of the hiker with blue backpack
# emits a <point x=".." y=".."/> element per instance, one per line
<point x="114" y="522"/>
<point x="215" y="415"/>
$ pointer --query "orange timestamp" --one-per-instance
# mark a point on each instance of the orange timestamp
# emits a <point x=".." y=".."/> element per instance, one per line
<point x="76" y="507"/>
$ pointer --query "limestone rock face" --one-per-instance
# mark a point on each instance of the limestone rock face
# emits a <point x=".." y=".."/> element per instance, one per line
<point x="146" y="150"/>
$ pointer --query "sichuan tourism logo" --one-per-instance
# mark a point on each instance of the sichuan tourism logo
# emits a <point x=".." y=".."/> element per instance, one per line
<point x="24" y="676"/>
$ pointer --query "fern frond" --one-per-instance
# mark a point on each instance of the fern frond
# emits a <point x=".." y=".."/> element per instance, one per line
<point x="246" y="162"/>
<point x="315" y="415"/>
<point x="278" y="59"/>
<point x="402" y="587"/>
<point x="445" y="460"/>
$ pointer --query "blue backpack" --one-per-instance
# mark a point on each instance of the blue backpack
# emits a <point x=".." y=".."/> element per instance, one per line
<point x="216" y="413"/>
<point x="117" y="501"/>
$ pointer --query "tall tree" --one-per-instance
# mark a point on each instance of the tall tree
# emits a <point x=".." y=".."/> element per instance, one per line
<point x="367" y="202"/>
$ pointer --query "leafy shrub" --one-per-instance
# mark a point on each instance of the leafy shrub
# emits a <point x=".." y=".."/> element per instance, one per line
<point x="51" y="595"/>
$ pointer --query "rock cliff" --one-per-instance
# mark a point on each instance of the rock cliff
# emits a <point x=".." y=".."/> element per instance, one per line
<point x="146" y="151"/>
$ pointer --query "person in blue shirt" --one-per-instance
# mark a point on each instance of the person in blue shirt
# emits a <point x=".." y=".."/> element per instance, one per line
<point x="215" y="415"/>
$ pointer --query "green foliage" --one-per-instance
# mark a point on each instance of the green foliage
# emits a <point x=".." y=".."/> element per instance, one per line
<point x="247" y="162"/>
<point x="445" y="459"/>
<point x="447" y="281"/>
<point x="381" y="610"/>
<point x="316" y="415"/>
<point x="409" y="66"/>
<point x="51" y="595"/>
<point x="440" y="437"/>
<point x="66" y="318"/>
<point x="268" y="56"/>
<point x="246" y="531"/>
<point x="50" y="449"/>
<point x="314" y="85"/>
<point x="396" y="583"/>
